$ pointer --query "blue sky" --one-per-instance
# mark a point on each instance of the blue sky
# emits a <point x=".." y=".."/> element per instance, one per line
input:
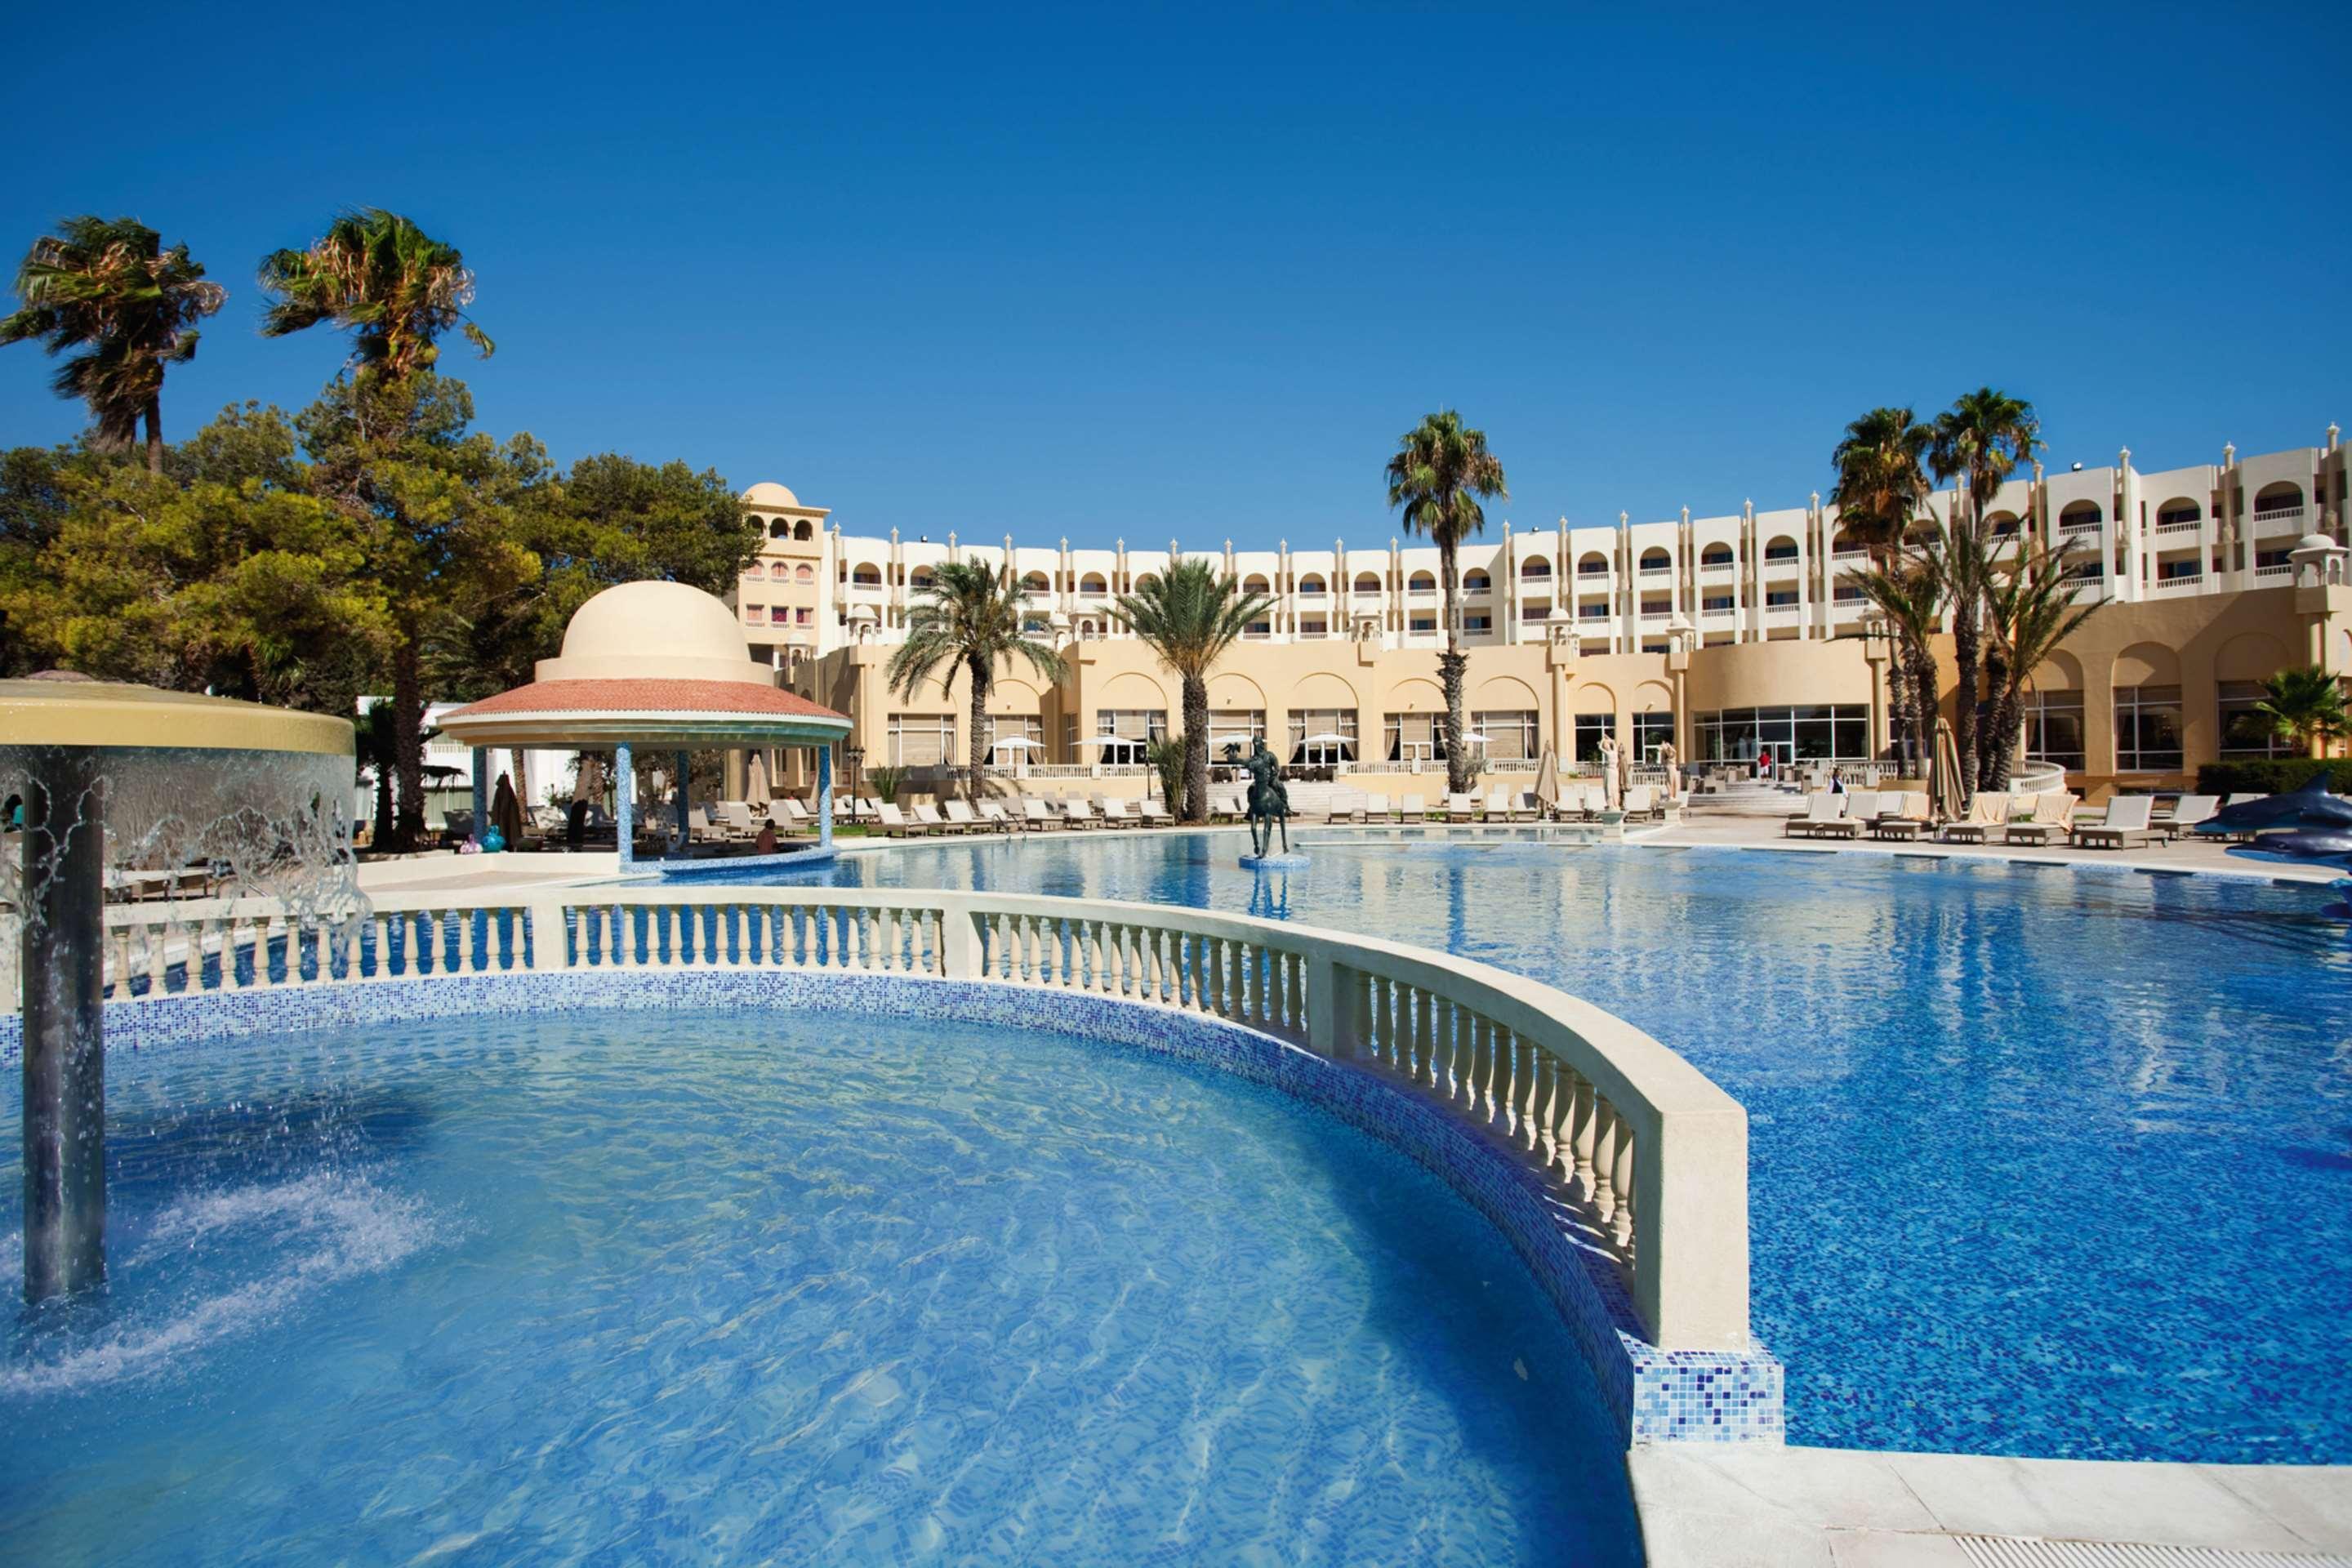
<point x="1150" y="272"/>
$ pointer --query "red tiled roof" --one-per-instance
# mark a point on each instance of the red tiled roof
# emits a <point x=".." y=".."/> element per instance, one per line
<point x="648" y="696"/>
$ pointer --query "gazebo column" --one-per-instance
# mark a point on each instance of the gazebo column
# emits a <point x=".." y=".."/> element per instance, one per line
<point x="624" y="804"/>
<point x="825" y="800"/>
<point x="685" y="808"/>
<point x="481" y="792"/>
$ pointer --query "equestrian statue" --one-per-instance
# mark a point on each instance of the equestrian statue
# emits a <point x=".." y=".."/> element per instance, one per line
<point x="1269" y="803"/>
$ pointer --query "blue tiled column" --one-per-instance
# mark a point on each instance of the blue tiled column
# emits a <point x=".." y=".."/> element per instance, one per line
<point x="481" y="791"/>
<point x="685" y="835"/>
<point x="825" y="800"/>
<point x="624" y="804"/>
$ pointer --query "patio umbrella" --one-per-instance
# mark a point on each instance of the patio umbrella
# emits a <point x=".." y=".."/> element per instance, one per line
<point x="1944" y="781"/>
<point x="1548" y="780"/>
<point x="507" y="811"/>
<point x="755" y="789"/>
<point x="590" y="783"/>
<point x="1018" y="744"/>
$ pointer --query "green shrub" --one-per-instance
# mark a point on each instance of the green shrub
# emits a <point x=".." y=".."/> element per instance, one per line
<point x="2270" y="775"/>
<point x="886" y="782"/>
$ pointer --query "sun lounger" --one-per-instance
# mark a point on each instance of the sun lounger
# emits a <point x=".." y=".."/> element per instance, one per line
<point x="1154" y="814"/>
<point x="1115" y="813"/>
<point x="1498" y="806"/>
<point x="1596" y="801"/>
<point x="1461" y="808"/>
<point x="997" y="817"/>
<point x="1903" y="816"/>
<point x="1822" y="810"/>
<point x="1415" y="809"/>
<point x="734" y="819"/>
<point x="1990" y="810"/>
<point x="1376" y="808"/>
<point x="894" y="823"/>
<point x="1641" y="803"/>
<point x="2054" y="814"/>
<point x="960" y="816"/>
<point x="928" y="816"/>
<point x="2186" y="813"/>
<point x="1079" y="814"/>
<point x="1035" y="812"/>
<point x="2127" y="823"/>
<point x="791" y="816"/>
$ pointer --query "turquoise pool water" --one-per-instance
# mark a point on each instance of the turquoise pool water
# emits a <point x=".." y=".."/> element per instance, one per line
<point x="2043" y="1162"/>
<point x="823" y="1289"/>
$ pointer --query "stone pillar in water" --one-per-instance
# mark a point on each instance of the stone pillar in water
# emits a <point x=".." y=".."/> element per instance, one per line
<point x="625" y="804"/>
<point x="824" y="799"/>
<point x="64" y="1040"/>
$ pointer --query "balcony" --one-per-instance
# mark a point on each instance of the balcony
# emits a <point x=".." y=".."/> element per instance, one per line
<point x="2180" y="583"/>
<point x="2179" y="530"/>
<point x="2279" y="520"/>
<point x="2284" y="569"/>
<point x="1656" y="617"/>
<point x="2080" y="529"/>
<point x="1849" y="556"/>
<point x="1657" y="571"/>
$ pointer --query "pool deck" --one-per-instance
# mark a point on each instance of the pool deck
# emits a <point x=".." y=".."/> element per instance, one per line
<point x="1754" y="1506"/>
<point x="2189" y="854"/>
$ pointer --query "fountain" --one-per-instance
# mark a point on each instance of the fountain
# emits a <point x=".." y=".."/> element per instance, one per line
<point x="141" y="788"/>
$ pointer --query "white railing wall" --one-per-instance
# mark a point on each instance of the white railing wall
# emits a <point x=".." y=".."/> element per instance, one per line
<point x="1649" y="1154"/>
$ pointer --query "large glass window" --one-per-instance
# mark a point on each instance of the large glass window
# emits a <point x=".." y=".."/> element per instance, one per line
<point x="1591" y="729"/>
<point x="2054" y="729"/>
<point x="922" y="740"/>
<point x="1512" y="735"/>
<point x="1011" y="727"/>
<point x="1826" y="732"/>
<point x="1240" y="729"/>
<point x="2244" y="732"/>
<point x="1310" y="732"/>
<point x="1651" y="730"/>
<point x="1134" y="727"/>
<point x="1414" y="737"/>
<point x="2147" y="729"/>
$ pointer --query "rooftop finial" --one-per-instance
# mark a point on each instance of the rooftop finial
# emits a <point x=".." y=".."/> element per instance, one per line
<point x="2228" y="454"/>
<point x="2332" y="434"/>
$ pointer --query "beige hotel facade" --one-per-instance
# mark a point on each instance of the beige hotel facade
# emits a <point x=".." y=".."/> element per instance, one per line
<point x="1723" y="634"/>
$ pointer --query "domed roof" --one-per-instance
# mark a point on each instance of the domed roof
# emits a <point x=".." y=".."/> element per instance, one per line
<point x="2315" y="541"/>
<point x="767" y="492"/>
<point x="655" y="631"/>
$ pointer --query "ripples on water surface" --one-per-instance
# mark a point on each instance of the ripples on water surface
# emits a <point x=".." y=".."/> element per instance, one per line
<point x="824" y="1289"/>
<point x="2044" y="1162"/>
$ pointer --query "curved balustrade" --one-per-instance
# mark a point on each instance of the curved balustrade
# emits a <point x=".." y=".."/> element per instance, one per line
<point x="1650" y="1156"/>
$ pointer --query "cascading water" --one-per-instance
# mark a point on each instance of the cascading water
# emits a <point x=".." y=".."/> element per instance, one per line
<point x="125" y="789"/>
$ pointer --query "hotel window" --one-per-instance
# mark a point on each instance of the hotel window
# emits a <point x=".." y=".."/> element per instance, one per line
<point x="1014" y="726"/>
<point x="1478" y="623"/>
<point x="1781" y="599"/>
<point x="1311" y="588"/>
<point x="1656" y="647"/>
<point x="803" y="574"/>
<point x="2054" y="729"/>
<point x="1846" y="594"/>
<point x="1420" y="737"/>
<point x="1592" y="566"/>
<point x="757" y="614"/>
<point x="1780" y="550"/>
<point x="1592" y="612"/>
<point x="2266" y="560"/>
<point x="1258" y="629"/>
<point x="2246" y="732"/>
<point x="1715" y="557"/>
<point x="1716" y="604"/>
<point x="2175" y="517"/>
<point x="867" y="577"/>
<point x="1311" y="626"/>
<point x="1306" y="722"/>
<point x="1534" y="611"/>
<point x="922" y="740"/>
<point x="1651" y="730"/>
<point x="1591" y="729"/>
<point x="1825" y="733"/>
<point x="1512" y="734"/>
<point x="1135" y="727"/>
<point x="1426" y="622"/>
<point x="803" y="616"/>
<point x="1241" y="729"/>
<point x="2179" y="570"/>
<point x="2147" y="729"/>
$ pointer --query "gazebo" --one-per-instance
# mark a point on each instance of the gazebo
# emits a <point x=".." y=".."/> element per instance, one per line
<point x="658" y="665"/>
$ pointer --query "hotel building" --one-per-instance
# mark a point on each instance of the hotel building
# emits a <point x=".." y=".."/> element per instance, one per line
<point x="1724" y="635"/>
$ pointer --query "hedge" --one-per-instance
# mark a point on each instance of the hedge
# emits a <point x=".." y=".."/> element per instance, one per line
<point x="2270" y="775"/>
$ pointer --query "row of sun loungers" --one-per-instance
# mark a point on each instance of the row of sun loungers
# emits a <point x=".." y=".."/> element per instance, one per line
<point x="2024" y="819"/>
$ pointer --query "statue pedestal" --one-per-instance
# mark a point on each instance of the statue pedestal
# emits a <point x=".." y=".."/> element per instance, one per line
<point x="1273" y="862"/>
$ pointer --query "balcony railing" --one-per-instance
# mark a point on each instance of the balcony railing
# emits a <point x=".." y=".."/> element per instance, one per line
<point x="1647" y="1158"/>
<point x="2284" y="569"/>
<point x="2183" y="583"/>
<point x="2171" y="530"/>
<point x="2266" y="516"/>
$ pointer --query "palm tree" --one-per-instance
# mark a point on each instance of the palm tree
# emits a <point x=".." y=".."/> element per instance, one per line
<point x="1908" y="590"/>
<point x="376" y="275"/>
<point x="396" y="289"/>
<point x="2305" y="707"/>
<point x="1882" y="482"/>
<point x="969" y="618"/>
<point x="2031" y="610"/>
<point x="1190" y="615"/>
<point x="110" y="288"/>
<point x="1978" y="440"/>
<point x="1438" y="476"/>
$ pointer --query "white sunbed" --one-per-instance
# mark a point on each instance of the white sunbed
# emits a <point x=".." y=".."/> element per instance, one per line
<point x="2186" y="813"/>
<point x="1036" y="814"/>
<point x="1415" y="809"/>
<point x="1115" y="814"/>
<point x="1641" y="802"/>
<point x="1822" y="811"/>
<point x="996" y="817"/>
<point x="2128" y="822"/>
<point x="1376" y="808"/>
<point x="2054" y="816"/>
<point x="1079" y="814"/>
<point x="1990" y="810"/>
<point x="1461" y="808"/>
<point x="1154" y="814"/>
<point x="961" y="816"/>
<point x="894" y="823"/>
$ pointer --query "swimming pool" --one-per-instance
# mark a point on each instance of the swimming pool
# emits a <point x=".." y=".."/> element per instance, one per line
<point x="810" y="1287"/>
<point x="2046" y="1162"/>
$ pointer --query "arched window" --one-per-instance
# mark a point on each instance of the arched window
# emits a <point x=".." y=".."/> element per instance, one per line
<point x="866" y="576"/>
<point x="1781" y="549"/>
<point x="801" y="530"/>
<point x="2180" y="511"/>
<point x="802" y="573"/>
<point x="1715" y="555"/>
<point x="2083" y="515"/>
<point x="1366" y="583"/>
<point x="2274" y="500"/>
<point x="2004" y="524"/>
<point x="1034" y="582"/>
<point x="1845" y="544"/>
<point x="1477" y="582"/>
<point x="1534" y="566"/>
<point x="1424" y="583"/>
<point x="1254" y="582"/>
<point x="1144" y="581"/>
<point x="779" y="528"/>
<point x="922" y="578"/>
<point x="1086" y="631"/>
<point x="1656" y="561"/>
<point x="1592" y="564"/>
<point x="1310" y="584"/>
<point x="1092" y="582"/>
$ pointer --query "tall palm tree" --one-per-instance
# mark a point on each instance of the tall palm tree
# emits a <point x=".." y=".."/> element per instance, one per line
<point x="376" y="275"/>
<point x="108" y="287"/>
<point x="1190" y="615"/>
<point x="1882" y="482"/>
<point x="1440" y="473"/>
<point x="2030" y="611"/>
<point x="2305" y="707"/>
<point x="1980" y="440"/>
<point x="968" y="618"/>
<point x="396" y="289"/>
<point x="1908" y="589"/>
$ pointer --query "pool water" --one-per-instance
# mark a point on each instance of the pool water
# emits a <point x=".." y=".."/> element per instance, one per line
<point x="2044" y="1162"/>
<point x="812" y="1288"/>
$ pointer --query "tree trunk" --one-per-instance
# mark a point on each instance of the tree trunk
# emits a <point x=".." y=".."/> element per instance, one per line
<point x="1898" y="701"/>
<point x="155" y="434"/>
<point x="978" y="751"/>
<point x="408" y="741"/>
<point x="380" y="836"/>
<point x="1923" y="704"/>
<point x="521" y="789"/>
<point x="1968" y="656"/>
<point x="1196" y="749"/>
<point x="1997" y="742"/>
<point x="1450" y="665"/>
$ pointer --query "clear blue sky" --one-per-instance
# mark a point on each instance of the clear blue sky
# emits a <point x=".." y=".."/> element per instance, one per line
<point x="1113" y="270"/>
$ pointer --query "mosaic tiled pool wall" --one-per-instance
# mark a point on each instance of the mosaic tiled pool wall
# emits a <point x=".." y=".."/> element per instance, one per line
<point x="1711" y="1396"/>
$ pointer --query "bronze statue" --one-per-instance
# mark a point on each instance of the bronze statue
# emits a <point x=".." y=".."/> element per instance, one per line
<point x="1269" y="803"/>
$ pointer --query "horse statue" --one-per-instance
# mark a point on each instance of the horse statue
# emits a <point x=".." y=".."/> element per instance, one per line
<point x="1269" y="803"/>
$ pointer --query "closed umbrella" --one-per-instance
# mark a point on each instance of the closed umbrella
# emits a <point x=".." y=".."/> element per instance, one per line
<point x="507" y="811"/>
<point x="756" y="789"/>
<point x="1548" y="780"/>
<point x="590" y="785"/>
<point x="1944" y="778"/>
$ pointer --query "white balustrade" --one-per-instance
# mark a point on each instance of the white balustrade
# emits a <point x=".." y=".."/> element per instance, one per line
<point x="1648" y="1156"/>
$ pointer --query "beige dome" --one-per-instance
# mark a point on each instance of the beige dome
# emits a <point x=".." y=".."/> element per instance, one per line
<point x="2315" y="541"/>
<point x="767" y="492"/>
<point x="653" y="631"/>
